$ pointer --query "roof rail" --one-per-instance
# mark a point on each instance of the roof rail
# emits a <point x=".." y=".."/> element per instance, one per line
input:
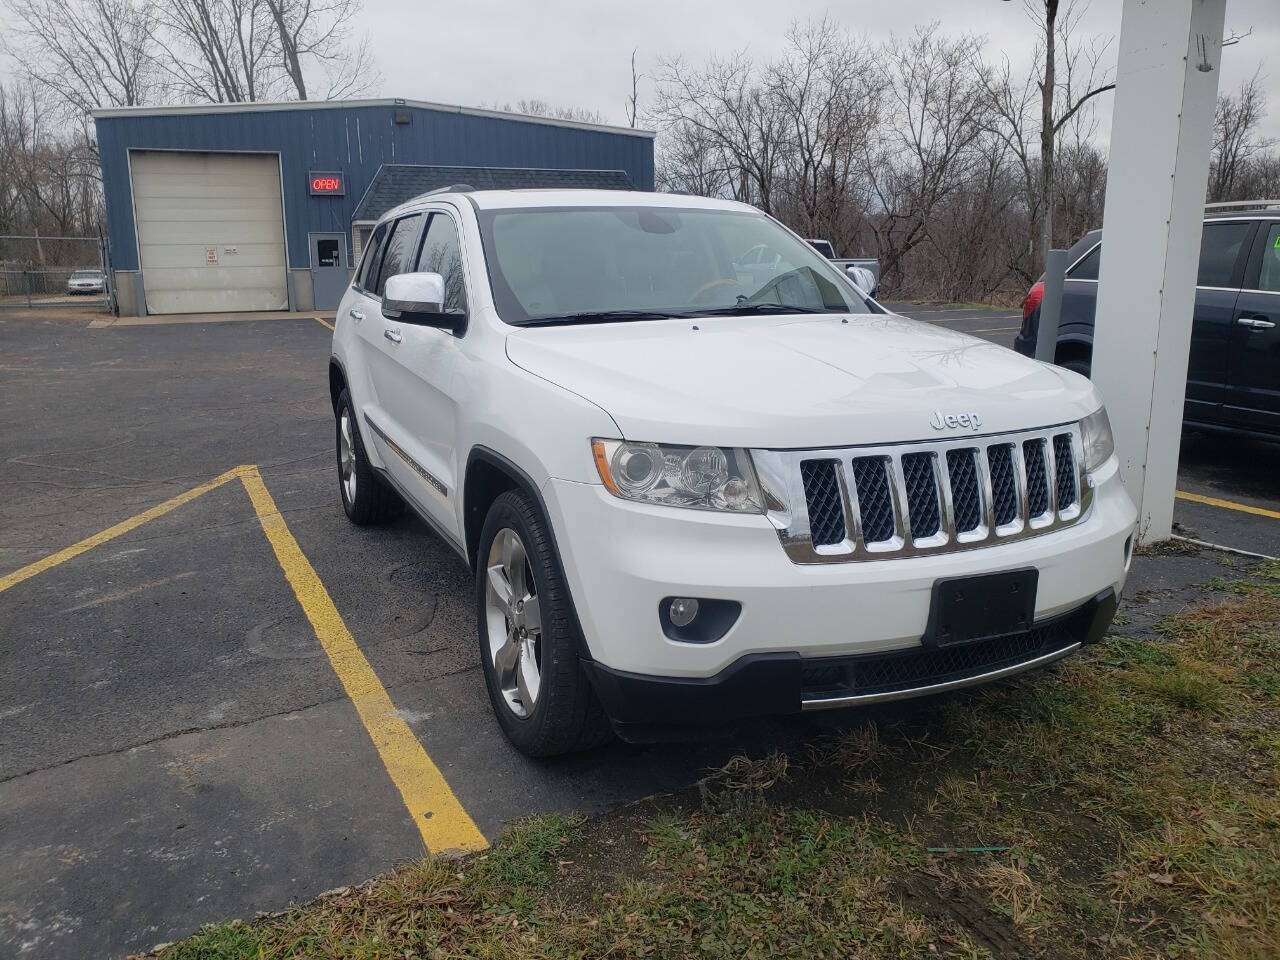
<point x="1242" y="204"/>
<point x="452" y="188"/>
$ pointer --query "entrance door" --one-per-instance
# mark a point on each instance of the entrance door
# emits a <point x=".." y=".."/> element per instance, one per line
<point x="329" y="276"/>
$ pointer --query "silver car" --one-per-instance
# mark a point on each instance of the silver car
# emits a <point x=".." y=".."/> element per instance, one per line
<point x="86" y="281"/>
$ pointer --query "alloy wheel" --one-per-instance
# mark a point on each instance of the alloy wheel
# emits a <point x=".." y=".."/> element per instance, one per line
<point x="514" y="622"/>
<point x="347" y="456"/>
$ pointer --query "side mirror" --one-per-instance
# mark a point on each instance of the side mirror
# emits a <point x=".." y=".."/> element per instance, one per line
<point x="419" y="298"/>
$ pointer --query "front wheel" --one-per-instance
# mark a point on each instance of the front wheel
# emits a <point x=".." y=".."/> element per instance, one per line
<point x="529" y="636"/>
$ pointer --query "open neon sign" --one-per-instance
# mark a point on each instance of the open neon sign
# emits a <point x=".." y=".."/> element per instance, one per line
<point x="326" y="183"/>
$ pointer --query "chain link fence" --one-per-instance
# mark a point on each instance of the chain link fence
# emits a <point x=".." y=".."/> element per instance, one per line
<point x="54" y="271"/>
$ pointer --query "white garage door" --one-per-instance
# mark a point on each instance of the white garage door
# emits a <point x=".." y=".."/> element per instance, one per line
<point x="210" y="231"/>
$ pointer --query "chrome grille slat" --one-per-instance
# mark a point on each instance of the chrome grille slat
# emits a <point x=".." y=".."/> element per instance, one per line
<point x="863" y="503"/>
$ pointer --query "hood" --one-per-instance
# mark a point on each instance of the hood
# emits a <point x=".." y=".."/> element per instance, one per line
<point x="798" y="381"/>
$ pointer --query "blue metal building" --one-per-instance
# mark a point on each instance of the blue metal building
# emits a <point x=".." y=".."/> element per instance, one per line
<point x="223" y="207"/>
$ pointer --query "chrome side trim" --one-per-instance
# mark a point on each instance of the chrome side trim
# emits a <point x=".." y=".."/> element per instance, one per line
<point x="779" y="475"/>
<point x="411" y="463"/>
<point x="831" y="703"/>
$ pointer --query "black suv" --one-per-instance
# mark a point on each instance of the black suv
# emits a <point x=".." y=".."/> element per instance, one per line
<point x="1233" y="378"/>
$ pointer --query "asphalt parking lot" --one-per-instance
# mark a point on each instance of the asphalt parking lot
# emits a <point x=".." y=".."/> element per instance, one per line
<point x="239" y="700"/>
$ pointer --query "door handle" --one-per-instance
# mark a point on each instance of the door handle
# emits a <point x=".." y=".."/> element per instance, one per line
<point x="355" y="315"/>
<point x="1256" y="323"/>
<point x="392" y="335"/>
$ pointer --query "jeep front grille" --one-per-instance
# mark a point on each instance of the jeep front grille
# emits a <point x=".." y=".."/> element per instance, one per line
<point x="859" y="503"/>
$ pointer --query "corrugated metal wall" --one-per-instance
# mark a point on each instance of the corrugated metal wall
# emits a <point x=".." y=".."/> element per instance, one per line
<point x="355" y="140"/>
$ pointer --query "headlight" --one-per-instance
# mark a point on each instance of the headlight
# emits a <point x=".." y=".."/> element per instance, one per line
<point x="704" y="478"/>
<point x="1095" y="435"/>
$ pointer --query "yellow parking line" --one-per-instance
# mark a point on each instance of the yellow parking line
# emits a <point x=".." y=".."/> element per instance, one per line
<point x="440" y="818"/>
<point x="323" y="322"/>
<point x="124" y="526"/>
<point x="436" y="812"/>
<point x="1228" y="505"/>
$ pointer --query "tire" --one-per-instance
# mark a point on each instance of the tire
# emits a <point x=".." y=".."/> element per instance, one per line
<point x="1077" y="365"/>
<point x="366" y="497"/>
<point x="565" y="715"/>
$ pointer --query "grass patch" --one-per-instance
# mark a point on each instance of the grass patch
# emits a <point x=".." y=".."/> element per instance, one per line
<point x="1125" y="805"/>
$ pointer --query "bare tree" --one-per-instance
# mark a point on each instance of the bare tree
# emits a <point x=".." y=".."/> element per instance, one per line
<point x="316" y="35"/>
<point x="633" y="101"/>
<point x="1235" y="140"/>
<point x="217" y="50"/>
<point x="730" y="106"/>
<point x="1083" y="77"/>
<point x="935" y="114"/>
<point x="50" y="187"/>
<point x="826" y="86"/>
<point x="541" y="108"/>
<point x="88" y="53"/>
<point x="690" y="160"/>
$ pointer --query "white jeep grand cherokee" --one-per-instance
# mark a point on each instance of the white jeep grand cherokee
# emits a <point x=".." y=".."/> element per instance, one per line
<point x="696" y="485"/>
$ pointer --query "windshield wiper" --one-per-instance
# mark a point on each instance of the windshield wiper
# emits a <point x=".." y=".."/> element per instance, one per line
<point x="750" y="309"/>
<point x="596" y="316"/>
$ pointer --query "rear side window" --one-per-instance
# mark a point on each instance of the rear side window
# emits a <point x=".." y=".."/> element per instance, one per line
<point x="372" y="252"/>
<point x="442" y="254"/>
<point x="1087" y="268"/>
<point x="1220" y="248"/>
<point x="1269" y="274"/>
<point x="399" y="251"/>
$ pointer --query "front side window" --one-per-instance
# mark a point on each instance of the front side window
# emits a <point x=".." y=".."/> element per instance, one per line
<point x="617" y="263"/>
<point x="1220" y="246"/>
<point x="368" y="271"/>
<point x="442" y="254"/>
<point x="399" y="253"/>
<point x="1269" y="274"/>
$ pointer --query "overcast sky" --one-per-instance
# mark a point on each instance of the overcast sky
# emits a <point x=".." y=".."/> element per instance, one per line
<point x="577" y="52"/>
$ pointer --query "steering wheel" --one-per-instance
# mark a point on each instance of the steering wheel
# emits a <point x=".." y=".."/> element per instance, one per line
<point x="711" y="285"/>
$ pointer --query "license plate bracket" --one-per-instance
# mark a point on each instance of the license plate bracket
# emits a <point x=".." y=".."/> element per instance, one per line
<point x="966" y="609"/>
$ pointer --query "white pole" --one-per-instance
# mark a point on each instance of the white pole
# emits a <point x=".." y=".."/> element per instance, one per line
<point x="1166" y="86"/>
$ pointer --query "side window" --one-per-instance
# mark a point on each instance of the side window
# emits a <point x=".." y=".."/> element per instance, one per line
<point x="399" y="250"/>
<point x="442" y="254"/>
<point x="1087" y="268"/>
<point x="1220" y="246"/>
<point x="372" y="251"/>
<point x="1269" y="274"/>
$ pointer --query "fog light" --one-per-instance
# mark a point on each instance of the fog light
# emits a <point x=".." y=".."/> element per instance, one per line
<point x="683" y="610"/>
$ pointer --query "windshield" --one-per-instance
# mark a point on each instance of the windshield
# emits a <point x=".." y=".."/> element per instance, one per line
<point x="598" y="264"/>
<point x="86" y="275"/>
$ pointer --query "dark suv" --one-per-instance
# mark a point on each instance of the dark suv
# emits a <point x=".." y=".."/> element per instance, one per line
<point x="1233" y="378"/>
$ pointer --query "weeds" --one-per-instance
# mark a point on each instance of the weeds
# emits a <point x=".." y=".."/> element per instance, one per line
<point x="1125" y="805"/>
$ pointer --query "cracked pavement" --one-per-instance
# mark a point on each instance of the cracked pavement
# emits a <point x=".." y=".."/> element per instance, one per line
<point x="175" y="747"/>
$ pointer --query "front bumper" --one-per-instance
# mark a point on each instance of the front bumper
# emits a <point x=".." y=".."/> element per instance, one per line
<point x="623" y="559"/>
<point x="780" y="683"/>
